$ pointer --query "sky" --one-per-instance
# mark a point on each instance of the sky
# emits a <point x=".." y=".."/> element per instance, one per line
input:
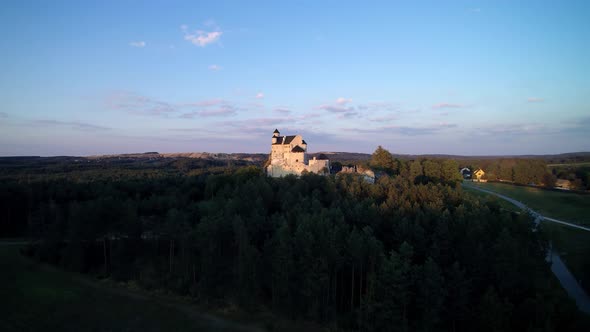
<point x="416" y="77"/>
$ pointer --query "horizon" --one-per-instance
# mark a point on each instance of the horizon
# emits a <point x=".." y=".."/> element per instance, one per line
<point x="469" y="78"/>
<point x="312" y="152"/>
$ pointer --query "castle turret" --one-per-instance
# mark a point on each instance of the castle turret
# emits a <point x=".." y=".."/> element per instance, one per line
<point x="275" y="136"/>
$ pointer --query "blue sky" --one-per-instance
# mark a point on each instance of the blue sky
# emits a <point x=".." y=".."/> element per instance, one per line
<point x="452" y="77"/>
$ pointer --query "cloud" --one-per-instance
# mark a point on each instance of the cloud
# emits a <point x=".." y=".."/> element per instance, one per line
<point x="3" y="115"/>
<point x="204" y="103"/>
<point x="137" y="104"/>
<point x="403" y="130"/>
<point x="141" y="105"/>
<point x="447" y="105"/>
<point x="309" y="116"/>
<point x="508" y="130"/>
<point x="336" y="109"/>
<point x="201" y="38"/>
<point x="378" y="106"/>
<point x="343" y="101"/>
<point x="259" y="95"/>
<point x="347" y="115"/>
<point x="282" y="111"/>
<point x="215" y="67"/>
<point x="387" y="118"/>
<point x="225" y="110"/>
<point x="221" y="108"/>
<point x="74" y="125"/>
<point x="475" y="10"/>
<point x="259" y="126"/>
<point x="340" y="108"/>
<point x="535" y="100"/>
<point x="137" y="43"/>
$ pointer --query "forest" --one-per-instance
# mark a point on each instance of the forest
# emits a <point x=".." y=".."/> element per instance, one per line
<point x="412" y="252"/>
<point x="533" y="171"/>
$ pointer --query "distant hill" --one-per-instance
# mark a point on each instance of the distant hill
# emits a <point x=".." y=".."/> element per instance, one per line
<point x="572" y="157"/>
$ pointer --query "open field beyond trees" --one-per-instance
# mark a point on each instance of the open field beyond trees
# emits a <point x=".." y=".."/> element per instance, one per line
<point x="572" y="245"/>
<point x="566" y="206"/>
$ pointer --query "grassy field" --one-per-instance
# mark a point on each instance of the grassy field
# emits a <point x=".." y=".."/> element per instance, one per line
<point x="485" y="197"/>
<point x="564" y="206"/>
<point x="574" y="248"/>
<point x="573" y="245"/>
<point x="37" y="297"/>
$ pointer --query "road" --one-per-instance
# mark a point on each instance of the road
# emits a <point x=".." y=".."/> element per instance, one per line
<point x="558" y="267"/>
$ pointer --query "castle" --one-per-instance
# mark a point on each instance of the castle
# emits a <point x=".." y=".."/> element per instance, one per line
<point x="288" y="155"/>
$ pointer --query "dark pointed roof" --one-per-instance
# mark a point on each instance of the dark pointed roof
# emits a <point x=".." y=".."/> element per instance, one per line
<point x="276" y="131"/>
<point x="304" y="142"/>
<point x="288" y="139"/>
<point x="297" y="149"/>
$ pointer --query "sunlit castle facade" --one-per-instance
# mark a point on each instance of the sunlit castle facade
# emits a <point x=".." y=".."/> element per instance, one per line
<point x="288" y="155"/>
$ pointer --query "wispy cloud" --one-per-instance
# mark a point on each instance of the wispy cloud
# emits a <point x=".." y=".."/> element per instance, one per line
<point x="205" y="103"/>
<point x="343" y="101"/>
<point x="336" y="109"/>
<point x="259" y="95"/>
<point x="133" y="103"/>
<point x="72" y="124"/>
<point x="387" y="118"/>
<point x="535" y="100"/>
<point x="259" y="126"/>
<point x="211" y="108"/>
<point x="225" y="110"/>
<point x="283" y="111"/>
<point x="447" y="105"/>
<point x="507" y="130"/>
<point x="378" y="106"/>
<point x="201" y="38"/>
<point x="137" y="104"/>
<point x="348" y="115"/>
<point x="215" y="67"/>
<point x="138" y="44"/>
<point x="475" y="10"/>
<point x="403" y="130"/>
<point x="3" y="115"/>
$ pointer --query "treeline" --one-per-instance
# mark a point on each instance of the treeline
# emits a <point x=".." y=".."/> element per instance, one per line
<point x="521" y="171"/>
<point x="109" y="169"/>
<point x="399" y="255"/>
<point x="578" y="175"/>
<point x="418" y="171"/>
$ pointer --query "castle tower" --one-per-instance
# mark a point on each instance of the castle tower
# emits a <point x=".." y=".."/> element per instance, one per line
<point x="275" y="136"/>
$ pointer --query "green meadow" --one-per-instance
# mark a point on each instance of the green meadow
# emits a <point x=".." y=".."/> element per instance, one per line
<point x="566" y="206"/>
<point x="573" y="245"/>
